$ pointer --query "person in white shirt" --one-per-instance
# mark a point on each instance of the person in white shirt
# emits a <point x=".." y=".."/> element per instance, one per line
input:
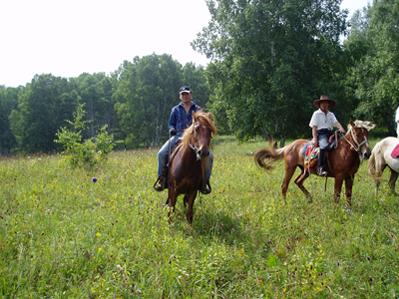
<point x="397" y="122"/>
<point x="322" y="123"/>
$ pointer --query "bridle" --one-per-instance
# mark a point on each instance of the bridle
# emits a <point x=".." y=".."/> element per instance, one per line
<point x="196" y="150"/>
<point x="355" y="145"/>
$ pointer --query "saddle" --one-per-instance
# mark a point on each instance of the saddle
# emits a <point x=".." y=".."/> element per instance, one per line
<point x="311" y="153"/>
<point x="395" y="152"/>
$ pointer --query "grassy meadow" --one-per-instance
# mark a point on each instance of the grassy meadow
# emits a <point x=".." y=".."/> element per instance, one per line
<point x="64" y="236"/>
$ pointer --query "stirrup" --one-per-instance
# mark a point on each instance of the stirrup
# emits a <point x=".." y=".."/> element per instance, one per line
<point x="206" y="189"/>
<point x="321" y="172"/>
<point x="159" y="184"/>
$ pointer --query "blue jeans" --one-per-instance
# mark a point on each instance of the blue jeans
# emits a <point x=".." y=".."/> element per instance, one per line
<point x="163" y="156"/>
<point x="323" y="141"/>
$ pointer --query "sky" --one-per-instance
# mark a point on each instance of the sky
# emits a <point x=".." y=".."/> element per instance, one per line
<point x="70" y="37"/>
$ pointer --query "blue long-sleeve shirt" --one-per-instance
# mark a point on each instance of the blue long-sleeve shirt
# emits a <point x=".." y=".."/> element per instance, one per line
<point x="179" y="119"/>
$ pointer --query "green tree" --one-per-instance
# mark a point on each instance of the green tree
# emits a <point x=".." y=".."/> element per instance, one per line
<point x="145" y="93"/>
<point x="95" y="91"/>
<point x="87" y="153"/>
<point x="195" y="77"/>
<point x="270" y="60"/>
<point x="374" y="47"/>
<point x="43" y="106"/>
<point x="8" y="101"/>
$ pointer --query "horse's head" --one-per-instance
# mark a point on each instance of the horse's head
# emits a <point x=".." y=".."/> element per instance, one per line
<point x="358" y="132"/>
<point x="198" y="136"/>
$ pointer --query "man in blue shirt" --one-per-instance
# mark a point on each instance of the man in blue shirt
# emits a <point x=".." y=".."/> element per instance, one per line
<point x="180" y="118"/>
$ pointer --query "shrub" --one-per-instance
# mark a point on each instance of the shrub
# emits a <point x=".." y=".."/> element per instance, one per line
<point x="84" y="153"/>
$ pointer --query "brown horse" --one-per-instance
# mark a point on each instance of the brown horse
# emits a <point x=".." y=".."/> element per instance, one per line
<point x="187" y="163"/>
<point x="343" y="161"/>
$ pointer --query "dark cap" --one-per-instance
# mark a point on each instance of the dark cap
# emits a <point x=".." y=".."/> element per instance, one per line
<point x="184" y="88"/>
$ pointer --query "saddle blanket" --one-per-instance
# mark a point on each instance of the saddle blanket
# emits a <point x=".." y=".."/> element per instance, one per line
<point x="310" y="152"/>
<point x="395" y="152"/>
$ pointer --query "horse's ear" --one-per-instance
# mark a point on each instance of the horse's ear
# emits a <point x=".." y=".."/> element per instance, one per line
<point x="351" y="124"/>
<point x="210" y="116"/>
<point x="194" y="116"/>
<point x="369" y="125"/>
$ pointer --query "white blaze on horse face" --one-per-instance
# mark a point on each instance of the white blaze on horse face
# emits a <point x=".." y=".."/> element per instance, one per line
<point x="364" y="149"/>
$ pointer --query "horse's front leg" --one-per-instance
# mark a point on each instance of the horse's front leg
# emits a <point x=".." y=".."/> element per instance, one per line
<point x="190" y="201"/>
<point x="337" y="188"/>
<point x="348" y="189"/>
<point x="392" y="181"/>
<point x="171" y="203"/>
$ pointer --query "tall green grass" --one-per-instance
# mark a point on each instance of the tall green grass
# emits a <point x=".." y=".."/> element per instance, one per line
<point x="64" y="236"/>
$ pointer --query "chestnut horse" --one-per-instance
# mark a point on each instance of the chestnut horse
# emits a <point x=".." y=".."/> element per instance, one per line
<point x="381" y="158"/>
<point x="187" y="163"/>
<point x="343" y="161"/>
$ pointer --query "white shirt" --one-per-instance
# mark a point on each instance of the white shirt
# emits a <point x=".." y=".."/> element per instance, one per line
<point x="397" y="115"/>
<point x="322" y="120"/>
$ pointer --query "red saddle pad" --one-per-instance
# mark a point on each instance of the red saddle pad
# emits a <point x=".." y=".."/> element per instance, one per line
<point x="395" y="152"/>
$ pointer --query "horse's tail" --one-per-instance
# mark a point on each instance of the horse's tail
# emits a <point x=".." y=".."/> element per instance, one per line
<point x="376" y="161"/>
<point x="265" y="157"/>
<point x="371" y="164"/>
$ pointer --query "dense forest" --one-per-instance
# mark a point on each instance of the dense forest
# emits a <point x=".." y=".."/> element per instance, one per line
<point x="269" y="61"/>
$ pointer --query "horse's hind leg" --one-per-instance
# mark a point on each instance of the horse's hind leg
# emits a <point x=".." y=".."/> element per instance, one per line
<point x="185" y="200"/>
<point x="377" y="176"/>
<point x="392" y="180"/>
<point x="299" y="182"/>
<point x="289" y="172"/>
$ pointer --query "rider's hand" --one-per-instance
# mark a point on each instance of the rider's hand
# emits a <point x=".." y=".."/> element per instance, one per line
<point x="314" y="141"/>
<point x="172" y="132"/>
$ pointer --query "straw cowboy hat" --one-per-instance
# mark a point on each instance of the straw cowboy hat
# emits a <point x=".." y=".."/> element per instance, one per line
<point x="317" y="102"/>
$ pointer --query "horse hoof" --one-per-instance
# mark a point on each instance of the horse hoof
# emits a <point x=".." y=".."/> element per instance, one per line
<point x="348" y="210"/>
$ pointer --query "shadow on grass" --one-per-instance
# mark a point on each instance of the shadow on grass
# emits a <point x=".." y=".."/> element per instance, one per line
<point x="210" y="225"/>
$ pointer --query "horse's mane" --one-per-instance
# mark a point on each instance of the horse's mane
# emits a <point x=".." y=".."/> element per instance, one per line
<point x="368" y="125"/>
<point x="203" y="118"/>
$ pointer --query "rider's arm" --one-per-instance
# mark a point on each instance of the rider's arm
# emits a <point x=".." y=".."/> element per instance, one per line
<point x="314" y="135"/>
<point x="340" y="127"/>
<point x="172" y="120"/>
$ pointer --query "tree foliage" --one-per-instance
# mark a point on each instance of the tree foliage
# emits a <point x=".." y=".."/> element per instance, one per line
<point x="43" y="107"/>
<point x="8" y="102"/>
<point x="145" y="93"/>
<point x="374" y="47"/>
<point x="80" y="152"/>
<point x="271" y="58"/>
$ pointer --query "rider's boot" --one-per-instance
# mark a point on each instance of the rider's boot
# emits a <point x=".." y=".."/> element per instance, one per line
<point x="160" y="183"/>
<point x="321" y="163"/>
<point x="206" y="188"/>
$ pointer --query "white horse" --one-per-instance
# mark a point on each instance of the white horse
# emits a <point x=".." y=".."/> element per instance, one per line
<point x="381" y="158"/>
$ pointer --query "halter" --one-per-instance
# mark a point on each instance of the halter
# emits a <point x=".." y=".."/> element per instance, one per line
<point x="355" y="144"/>
<point x="196" y="151"/>
<point x="193" y="147"/>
